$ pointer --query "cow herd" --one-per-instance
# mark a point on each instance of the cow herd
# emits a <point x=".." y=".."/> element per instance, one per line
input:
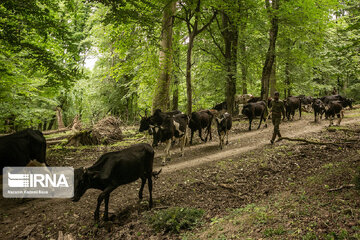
<point x="117" y="168"/>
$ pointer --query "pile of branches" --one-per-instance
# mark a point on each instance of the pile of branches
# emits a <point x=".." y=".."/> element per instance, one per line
<point x="106" y="131"/>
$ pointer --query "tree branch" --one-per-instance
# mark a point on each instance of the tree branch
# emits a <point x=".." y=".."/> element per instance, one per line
<point x="216" y="43"/>
<point x="341" y="187"/>
<point x="212" y="54"/>
<point x="206" y="25"/>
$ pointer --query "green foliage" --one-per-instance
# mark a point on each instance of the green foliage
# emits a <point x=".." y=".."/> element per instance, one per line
<point x="44" y="46"/>
<point x="175" y="219"/>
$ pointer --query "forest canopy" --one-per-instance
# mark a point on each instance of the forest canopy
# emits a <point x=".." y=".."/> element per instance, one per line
<point x="185" y="54"/>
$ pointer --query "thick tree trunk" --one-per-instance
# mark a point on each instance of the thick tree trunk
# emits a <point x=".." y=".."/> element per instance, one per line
<point x="230" y="35"/>
<point x="270" y="55"/>
<point x="59" y="118"/>
<point x="273" y="79"/>
<point x="242" y="47"/>
<point x="188" y="74"/>
<point x="162" y="94"/>
<point x="243" y="67"/>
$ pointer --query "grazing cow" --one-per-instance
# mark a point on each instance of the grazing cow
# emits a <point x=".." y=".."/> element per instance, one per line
<point x="251" y="110"/>
<point x="172" y="127"/>
<point x="200" y="120"/>
<point x="334" y="108"/>
<point x="319" y="109"/>
<point x="224" y="124"/>
<point x="291" y="104"/>
<point x="18" y="149"/>
<point x="114" y="169"/>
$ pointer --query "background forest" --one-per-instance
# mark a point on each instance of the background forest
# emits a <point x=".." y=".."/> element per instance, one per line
<point x="96" y="58"/>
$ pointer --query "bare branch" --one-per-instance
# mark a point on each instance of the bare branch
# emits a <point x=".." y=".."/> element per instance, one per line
<point x="212" y="54"/>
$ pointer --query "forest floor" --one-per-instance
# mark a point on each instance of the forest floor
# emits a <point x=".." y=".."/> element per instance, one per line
<point x="249" y="190"/>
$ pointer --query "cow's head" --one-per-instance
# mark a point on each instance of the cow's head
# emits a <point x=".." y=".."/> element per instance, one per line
<point x="144" y="124"/>
<point x="220" y="122"/>
<point x="246" y="110"/>
<point x="82" y="180"/>
<point x="347" y="102"/>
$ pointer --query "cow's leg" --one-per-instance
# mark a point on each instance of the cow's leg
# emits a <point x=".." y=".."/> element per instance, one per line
<point x="182" y="144"/>
<point x="300" y="110"/>
<point x="227" y="137"/>
<point x="220" y="140"/>
<point x="200" y="135"/>
<point x="101" y="197"/>
<point x="192" y="135"/>
<point x="150" y="191"/>
<point x="106" y="213"/>
<point x="250" y="120"/>
<point x="167" y="151"/>
<point x="331" y="120"/>
<point x="143" y="181"/>
<point x="210" y="131"/>
<point x="261" y="118"/>
<point x="341" y="116"/>
<point x="315" y="116"/>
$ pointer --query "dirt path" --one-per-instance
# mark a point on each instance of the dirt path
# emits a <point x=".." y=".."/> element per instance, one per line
<point x="244" y="142"/>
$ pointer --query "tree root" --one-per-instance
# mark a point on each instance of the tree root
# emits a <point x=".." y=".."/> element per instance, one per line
<point x="308" y="141"/>
<point x="341" y="187"/>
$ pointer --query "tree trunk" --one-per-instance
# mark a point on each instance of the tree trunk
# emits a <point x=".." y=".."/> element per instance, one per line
<point x="287" y="80"/>
<point x="162" y="95"/>
<point x="230" y="35"/>
<point x="273" y="79"/>
<point x="51" y="124"/>
<point x="243" y="67"/>
<point x="59" y="118"/>
<point x="175" y="100"/>
<point x="188" y="73"/>
<point x="242" y="47"/>
<point x="270" y="55"/>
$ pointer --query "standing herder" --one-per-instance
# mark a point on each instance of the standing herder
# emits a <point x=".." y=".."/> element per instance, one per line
<point x="277" y="108"/>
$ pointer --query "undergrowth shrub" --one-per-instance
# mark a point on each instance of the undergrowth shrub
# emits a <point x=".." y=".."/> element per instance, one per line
<point x="175" y="219"/>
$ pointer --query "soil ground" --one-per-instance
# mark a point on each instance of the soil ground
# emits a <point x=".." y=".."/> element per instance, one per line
<point x="248" y="190"/>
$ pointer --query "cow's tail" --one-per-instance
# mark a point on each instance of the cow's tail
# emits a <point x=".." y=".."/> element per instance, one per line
<point x="155" y="174"/>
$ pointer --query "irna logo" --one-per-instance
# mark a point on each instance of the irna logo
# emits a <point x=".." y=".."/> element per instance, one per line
<point x="37" y="180"/>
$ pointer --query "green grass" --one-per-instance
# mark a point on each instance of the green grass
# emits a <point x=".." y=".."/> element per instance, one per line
<point x="175" y="219"/>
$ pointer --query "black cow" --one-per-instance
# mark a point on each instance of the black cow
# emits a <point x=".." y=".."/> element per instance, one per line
<point x="251" y="110"/>
<point x="254" y="99"/>
<point x="19" y="148"/>
<point x="114" y="169"/>
<point x="199" y="121"/>
<point x="172" y="127"/>
<point x="306" y="102"/>
<point x="224" y="123"/>
<point x="319" y="109"/>
<point x="344" y="101"/>
<point x="153" y="122"/>
<point x="334" y="108"/>
<point x="291" y="104"/>
<point x="221" y="106"/>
